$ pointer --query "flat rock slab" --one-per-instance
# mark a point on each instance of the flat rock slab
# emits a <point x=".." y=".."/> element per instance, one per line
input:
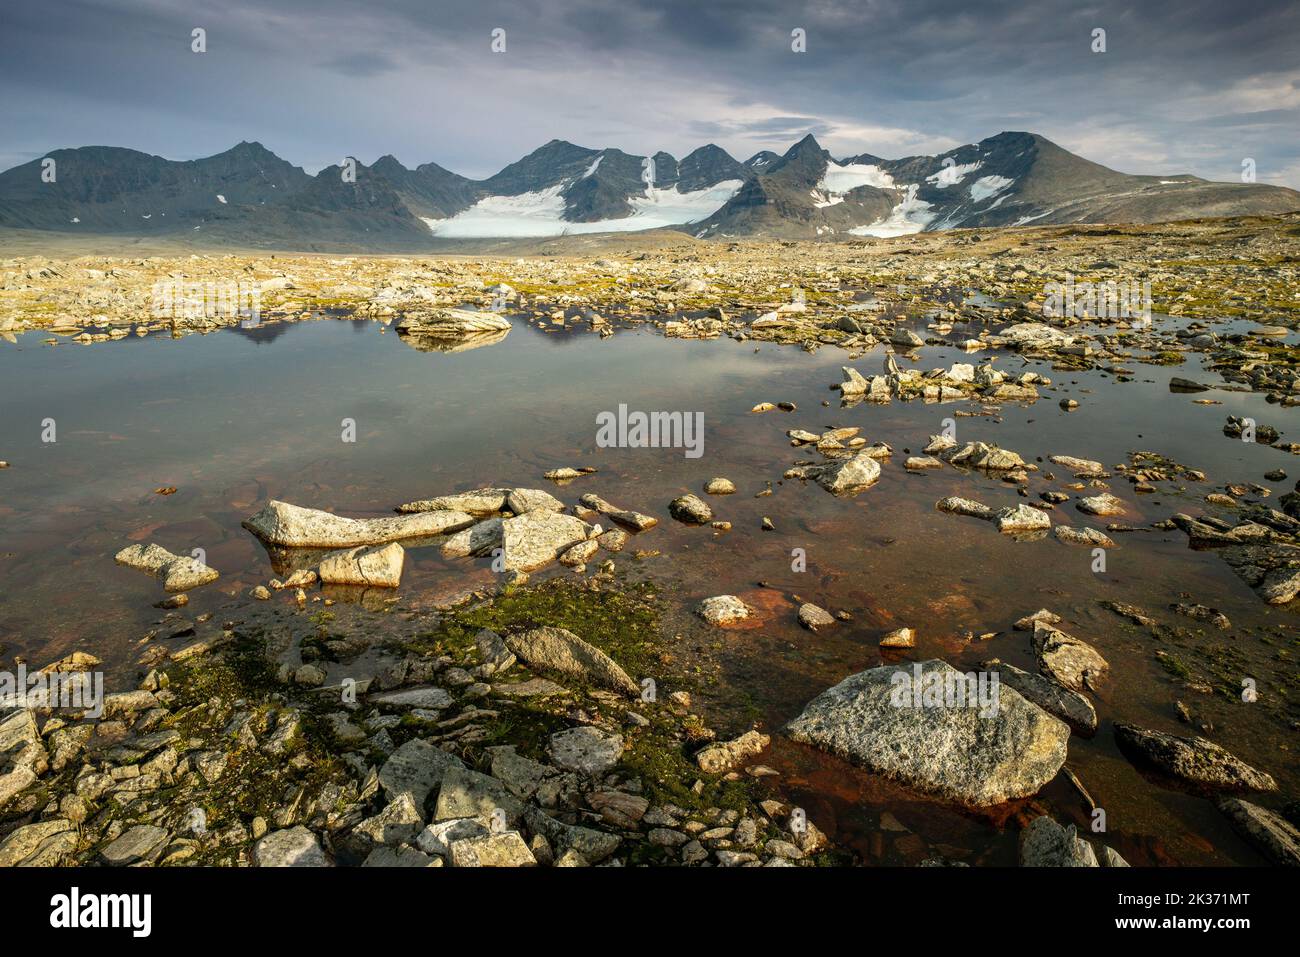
<point x="429" y="697"/>
<point x="178" y="572"/>
<point x="634" y="519"/>
<point x="140" y="843"/>
<point x="562" y="651"/>
<point x="480" y="502"/>
<point x="292" y="526"/>
<point x="376" y="566"/>
<point x="1193" y="759"/>
<point x="506" y="849"/>
<point x="538" y="537"/>
<point x="873" y="720"/>
<point x="586" y="749"/>
<point x="291" y="847"/>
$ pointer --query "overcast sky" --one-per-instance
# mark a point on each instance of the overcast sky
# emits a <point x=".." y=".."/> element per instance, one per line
<point x="1183" y="86"/>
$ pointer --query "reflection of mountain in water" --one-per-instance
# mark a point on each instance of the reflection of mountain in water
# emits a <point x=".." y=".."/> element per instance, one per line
<point x="463" y="343"/>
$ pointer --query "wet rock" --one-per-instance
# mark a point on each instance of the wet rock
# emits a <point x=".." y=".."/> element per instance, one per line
<point x="1069" y="661"/>
<point x="724" y="757"/>
<point x="562" y="651"/>
<point x="1084" y="468"/>
<point x="919" y="463"/>
<point x="633" y="519"/>
<point x="977" y="760"/>
<point x="1273" y="834"/>
<point x="1070" y="706"/>
<point x="722" y="609"/>
<point x="1193" y="759"/>
<point x="850" y="475"/>
<point x="576" y="556"/>
<point x="1083" y="536"/>
<point x="481" y="502"/>
<point x="22" y="754"/>
<point x="812" y="617"/>
<point x="177" y="572"/>
<point x="536" y="538"/>
<point x="1021" y="518"/>
<point x="1104" y="504"/>
<point x="719" y="486"/>
<point x="899" y="638"/>
<point x="375" y="566"/>
<point x="964" y="506"/>
<point x="279" y="523"/>
<point x="981" y="455"/>
<point x="521" y="501"/>
<point x="690" y="509"/>
<point x="854" y="383"/>
<point x="586" y="749"/>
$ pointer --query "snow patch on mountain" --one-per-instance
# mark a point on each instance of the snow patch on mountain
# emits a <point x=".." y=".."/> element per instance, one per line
<point x="541" y="213"/>
<point x="910" y="216"/>
<point x="842" y="178"/>
<point x="952" y="175"/>
<point x="987" y="186"/>
<point x="594" y="166"/>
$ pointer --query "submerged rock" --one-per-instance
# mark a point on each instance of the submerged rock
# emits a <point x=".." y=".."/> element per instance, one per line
<point x="850" y="475"/>
<point x="1273" y="834"/>
<point x="480" y="502"/>
<point x="634" y="519"/>
<point x="1044" y="843"/>
<point x="690" y="509"/>
<point x="178" y="572"/>
<point x="1193" y="759"/>
<point x="279" y="523"/>
<point x="1021" y="518"/>
<point x="722" y="609"/>
<point x="956" y="752"/>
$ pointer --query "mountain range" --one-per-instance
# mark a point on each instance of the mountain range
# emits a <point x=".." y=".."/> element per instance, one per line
<point x="250" y="197"/>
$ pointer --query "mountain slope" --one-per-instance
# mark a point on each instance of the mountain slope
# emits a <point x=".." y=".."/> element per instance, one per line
<point x="247" y="195"/>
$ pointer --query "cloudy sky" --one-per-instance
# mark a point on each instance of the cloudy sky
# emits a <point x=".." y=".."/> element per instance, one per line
<point x="1183" y="85"/>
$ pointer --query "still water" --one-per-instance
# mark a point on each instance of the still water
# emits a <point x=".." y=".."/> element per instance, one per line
<point x="234" y="418"/>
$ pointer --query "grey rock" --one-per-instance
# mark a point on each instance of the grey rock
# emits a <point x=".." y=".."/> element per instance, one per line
<point x="586" y="749"/>
<point x="1193" y="759"/>
<point x="372" y="566"/>
<point x="1273" y="834"/>
<point x="416" y="768"/>
<point x="564" y="652"/>
<point x="291" y="847"/>
<point x="1070" y="706"/>
<point x="178" y="572"/>
<point x="955" y="752"/>
<point x="279" y="523"/>
<point x="1044" y="843"/>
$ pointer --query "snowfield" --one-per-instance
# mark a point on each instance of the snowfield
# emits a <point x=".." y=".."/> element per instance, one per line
<point x="910" y="216"/>
<point x="842" y="178"/>
<point x="987" y="186"/>
<point x="541" y="213"/>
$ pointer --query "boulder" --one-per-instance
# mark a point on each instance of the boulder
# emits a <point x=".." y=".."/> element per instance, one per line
<point x="1273" y="834"/>
<point x="727" y="755"/>
<point x="1069" y="661"/>
<point x="291" y="847"/>
<point x="538" y="537"/>
<point x="1044" y="843"/>
<point x="586" y="749"/>
<point x="722" y="609"/>
<point x="970" y="754"/>
<point x="1070" y="706"/>
<point x="847" y="476"/>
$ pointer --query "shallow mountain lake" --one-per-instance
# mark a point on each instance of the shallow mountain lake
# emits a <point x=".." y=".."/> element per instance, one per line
<point x="237" y="417"/>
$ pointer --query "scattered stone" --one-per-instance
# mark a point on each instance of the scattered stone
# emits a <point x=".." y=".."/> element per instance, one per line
<point x="723" y="757"/>
<point x="178" y="573"/>
<point x="723" y="609"/>
<point x="564" y="652"/>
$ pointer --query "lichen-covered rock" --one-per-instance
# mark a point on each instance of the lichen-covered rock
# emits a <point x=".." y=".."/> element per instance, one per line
<point x="292" y="526"/>
<point x="971" y="754"/>
<point x="1193" y="759"/>
<point x="562" y="651"/>
<point x="373" y="566"/>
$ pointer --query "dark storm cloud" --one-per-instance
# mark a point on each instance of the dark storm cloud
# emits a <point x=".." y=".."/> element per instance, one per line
<point x="1183" y="86"/>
